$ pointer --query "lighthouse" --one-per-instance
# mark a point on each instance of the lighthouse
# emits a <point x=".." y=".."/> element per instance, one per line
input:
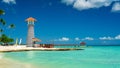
<point x="30" y="21"/>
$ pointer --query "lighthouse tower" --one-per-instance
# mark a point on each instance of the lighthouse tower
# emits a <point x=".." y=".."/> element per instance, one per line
<point x="30" y="21"/>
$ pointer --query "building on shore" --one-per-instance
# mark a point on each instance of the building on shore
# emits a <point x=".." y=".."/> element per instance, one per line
<point x="30" y="21"/>
<point x="82" y="44"/>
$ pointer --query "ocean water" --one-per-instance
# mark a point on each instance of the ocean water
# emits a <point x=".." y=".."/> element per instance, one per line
<point x="90" y="57"/>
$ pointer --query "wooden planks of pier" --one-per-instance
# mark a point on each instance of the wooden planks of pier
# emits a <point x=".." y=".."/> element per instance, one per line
<point x="44" y="45"/>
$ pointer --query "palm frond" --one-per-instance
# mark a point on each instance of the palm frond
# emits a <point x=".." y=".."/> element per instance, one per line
<point x="2" y="21"/>
<point x="2" y="12"/>
<point x="1" y="30"/>
<point x="12" y="26"/>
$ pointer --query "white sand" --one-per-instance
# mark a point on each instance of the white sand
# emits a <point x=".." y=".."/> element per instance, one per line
<point x="7" y="63"/>
<point x="24" y="48"/>
<point x="10" y="48"/>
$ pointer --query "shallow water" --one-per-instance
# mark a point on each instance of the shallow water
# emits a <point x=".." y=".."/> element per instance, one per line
<point x="92" y="57"/>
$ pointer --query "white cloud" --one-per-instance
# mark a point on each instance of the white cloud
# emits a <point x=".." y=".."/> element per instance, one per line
<point x="64" y="39"/>
<point x="77" y="39"/>
<point x="110" y="38"/>
<point x="117" y="37"/>
<point x="116" y="7"/>
<point x="83" y="4"/>
<point x="88" y="4"/>
<point x="9" y="1"/>
<point x="88" y="38"/>
<point x="106" y="38"/>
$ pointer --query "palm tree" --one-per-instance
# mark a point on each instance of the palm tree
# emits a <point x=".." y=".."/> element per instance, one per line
<point x="1" y="30"/>
<point x="2" y="12"/>
<point x="3" y="37"/>
<point x="3" y="22"/>
<point x="12" y="26"/>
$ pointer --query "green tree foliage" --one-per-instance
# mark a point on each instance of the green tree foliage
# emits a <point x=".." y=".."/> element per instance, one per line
<point x="5" y="39"/>
<point x="12" y="26"/>
<point x="1" y="30"/>
<point x="2" y="21"/>
<point x="2" y="12"/>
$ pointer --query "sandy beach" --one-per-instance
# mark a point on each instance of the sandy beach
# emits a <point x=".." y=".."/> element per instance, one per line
<point x="8" y="63"/>
<point x="4" y="48"/>
<point x="24" y="48"/>
<point x="4" y="63"/>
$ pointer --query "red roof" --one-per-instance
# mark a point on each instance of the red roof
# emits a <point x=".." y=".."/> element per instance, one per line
<point x="30" y="19"/>
<point x="36" y="40"/>
<point x="82" y="43"/>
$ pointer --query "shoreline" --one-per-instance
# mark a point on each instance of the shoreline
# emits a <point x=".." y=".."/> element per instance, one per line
<point x="9" y="63"/>
<point x="24" y="48"/>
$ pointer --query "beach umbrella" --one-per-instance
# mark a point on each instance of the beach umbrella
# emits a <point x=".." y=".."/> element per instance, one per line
<point x="16" y="42"/>
<point x="36" y="40"/>
<point x="20" y="41"/>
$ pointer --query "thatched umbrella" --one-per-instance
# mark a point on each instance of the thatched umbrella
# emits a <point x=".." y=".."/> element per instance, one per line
<point x="36" y="40"/>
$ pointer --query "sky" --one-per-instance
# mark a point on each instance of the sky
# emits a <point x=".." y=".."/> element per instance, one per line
<point x="96" y="22"/>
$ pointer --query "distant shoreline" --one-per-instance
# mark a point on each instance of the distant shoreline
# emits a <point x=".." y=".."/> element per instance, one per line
<point x="86" y="45"/>
<point x="77" y="44"/>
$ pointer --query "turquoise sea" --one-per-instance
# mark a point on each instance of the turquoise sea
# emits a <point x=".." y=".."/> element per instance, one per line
<point x="90" y="57"/>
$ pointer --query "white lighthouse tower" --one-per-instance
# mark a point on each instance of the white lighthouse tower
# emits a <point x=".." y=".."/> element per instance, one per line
<point x="30" y="21"/>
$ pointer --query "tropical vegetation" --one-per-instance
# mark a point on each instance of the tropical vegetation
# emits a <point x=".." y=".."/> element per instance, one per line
<point x="4" y="38"/>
